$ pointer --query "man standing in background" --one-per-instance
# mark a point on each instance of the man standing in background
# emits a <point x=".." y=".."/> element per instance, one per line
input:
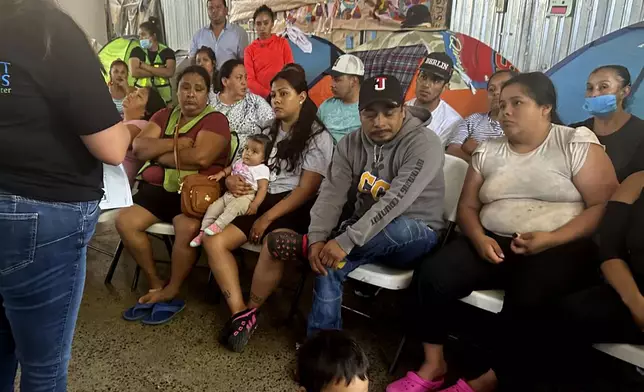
<point x="227" y="40"/>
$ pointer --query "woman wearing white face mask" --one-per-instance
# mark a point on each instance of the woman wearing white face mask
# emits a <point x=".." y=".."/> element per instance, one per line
<point x="153" y="64"/>
<point x="607" y="92"/>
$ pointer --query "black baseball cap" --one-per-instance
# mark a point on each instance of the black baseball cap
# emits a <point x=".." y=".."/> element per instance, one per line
<point x="381" y="88"/>
<point x="439" y="64"/>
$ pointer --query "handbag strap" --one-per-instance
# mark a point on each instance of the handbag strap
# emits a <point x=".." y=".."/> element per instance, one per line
<point x="175" y="148"/>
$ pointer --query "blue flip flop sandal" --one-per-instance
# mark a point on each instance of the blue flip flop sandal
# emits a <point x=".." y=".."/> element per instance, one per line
<point x="137" y="312"/>
<point x="163" y="312"/>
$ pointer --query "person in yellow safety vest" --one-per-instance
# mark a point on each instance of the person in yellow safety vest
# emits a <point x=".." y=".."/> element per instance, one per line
<point x="153" y="64"/>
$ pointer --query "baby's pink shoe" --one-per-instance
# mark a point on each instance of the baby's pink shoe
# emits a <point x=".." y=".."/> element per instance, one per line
<point x="212" y="229"/>
<point x="196" y="242"/>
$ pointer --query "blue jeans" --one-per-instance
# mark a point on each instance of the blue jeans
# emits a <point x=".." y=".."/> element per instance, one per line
<point x="400" y="244"/>
<point x="42" y="274"/>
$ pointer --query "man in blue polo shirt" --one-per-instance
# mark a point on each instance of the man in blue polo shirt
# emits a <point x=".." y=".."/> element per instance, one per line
<point x="227" y="40"/>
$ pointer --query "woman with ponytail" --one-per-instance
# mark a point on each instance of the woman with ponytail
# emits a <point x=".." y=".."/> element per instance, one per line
<point x="247" y="113"/>
<point x="153" y="63"/>
<point x="300" y="155"/>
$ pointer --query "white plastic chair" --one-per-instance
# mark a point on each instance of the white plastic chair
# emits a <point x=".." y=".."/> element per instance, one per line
<point x="396" y="279"/>
<point x="492" y="301"/>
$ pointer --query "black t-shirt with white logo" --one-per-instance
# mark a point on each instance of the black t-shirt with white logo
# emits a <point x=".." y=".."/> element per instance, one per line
<point x="52" y="92"/>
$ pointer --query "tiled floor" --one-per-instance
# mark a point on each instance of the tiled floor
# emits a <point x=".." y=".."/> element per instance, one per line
<point x="110" y="354"/>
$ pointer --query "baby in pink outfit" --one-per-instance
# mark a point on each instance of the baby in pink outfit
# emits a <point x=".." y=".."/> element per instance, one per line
<point x="252" y="169"/>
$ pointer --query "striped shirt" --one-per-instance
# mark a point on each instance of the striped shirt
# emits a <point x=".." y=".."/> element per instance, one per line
<point x="119" y="105"/>
<point x="478" y="126"/>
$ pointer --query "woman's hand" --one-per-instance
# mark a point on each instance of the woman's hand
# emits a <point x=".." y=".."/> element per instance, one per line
<point x="489" y="249"/>
<point x="532" y="243"/>
<point x="637" y="310"/>
<point x="258" y="229"/>
<point x="237" y="186"/>
<point x="184" y="142"/>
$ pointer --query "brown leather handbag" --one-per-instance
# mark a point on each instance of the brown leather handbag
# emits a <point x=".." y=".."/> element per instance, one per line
<point x="197" y="191"/>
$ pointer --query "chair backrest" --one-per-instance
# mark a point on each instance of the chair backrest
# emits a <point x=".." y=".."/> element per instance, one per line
<point x="234" y="146"/>
<point x="454" y="171"/>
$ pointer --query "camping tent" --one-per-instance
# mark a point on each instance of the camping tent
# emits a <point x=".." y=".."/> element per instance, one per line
<point x="316" y="64"/>
<point x="400" y="54"/>
<point x="624" y="47"/>
<point x="118" y="48"/>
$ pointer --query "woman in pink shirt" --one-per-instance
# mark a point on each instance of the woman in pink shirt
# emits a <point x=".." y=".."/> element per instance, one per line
<point x="138" y="108"/>
<point x="267" y="55"/>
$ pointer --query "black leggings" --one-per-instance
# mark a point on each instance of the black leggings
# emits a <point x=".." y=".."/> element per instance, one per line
<point x="529" y="281"/>
<point x="533" y="284"/>
<point x="598" y="315"/>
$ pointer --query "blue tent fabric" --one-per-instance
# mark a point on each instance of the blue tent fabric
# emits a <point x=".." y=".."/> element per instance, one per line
<point x="622" y="47"/>
<point x="320" y="60"/>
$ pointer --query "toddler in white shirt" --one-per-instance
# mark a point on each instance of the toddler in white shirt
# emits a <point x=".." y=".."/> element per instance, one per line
<point x="252" y="169"/>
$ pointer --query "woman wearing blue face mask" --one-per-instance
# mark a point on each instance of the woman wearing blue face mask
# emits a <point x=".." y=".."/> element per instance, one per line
<point x="153" y="64"/>
<point x="607" y="92"/>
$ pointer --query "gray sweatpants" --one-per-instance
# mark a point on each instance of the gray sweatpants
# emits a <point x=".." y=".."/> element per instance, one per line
<point x="225" y="209"/>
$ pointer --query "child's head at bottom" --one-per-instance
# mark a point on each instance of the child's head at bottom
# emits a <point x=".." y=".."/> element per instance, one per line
<point x="331" y="361"/>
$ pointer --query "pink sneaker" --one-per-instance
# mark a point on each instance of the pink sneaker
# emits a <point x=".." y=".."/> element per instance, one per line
<point x="412" y="382"/>
<point x="460" y="386"/>
<point x="212" y="229"/>
<point x="196" y="242"/>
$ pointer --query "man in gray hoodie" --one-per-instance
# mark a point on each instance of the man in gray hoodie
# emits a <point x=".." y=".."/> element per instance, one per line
<point x="396" y="169"/>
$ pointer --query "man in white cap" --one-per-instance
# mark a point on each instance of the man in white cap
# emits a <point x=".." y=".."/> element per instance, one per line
<point x="340" y="113"/>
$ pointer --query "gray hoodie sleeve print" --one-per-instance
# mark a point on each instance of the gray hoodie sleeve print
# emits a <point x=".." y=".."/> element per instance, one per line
<point x="423" y="161"/>
<point x="333" y="195"/>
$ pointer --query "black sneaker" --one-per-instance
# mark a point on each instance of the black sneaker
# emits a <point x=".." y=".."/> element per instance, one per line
<point x="242" y="326"/>
<point x="226" y="331"/>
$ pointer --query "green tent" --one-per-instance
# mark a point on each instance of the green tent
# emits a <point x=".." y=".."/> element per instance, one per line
<point x="117" y="49"/>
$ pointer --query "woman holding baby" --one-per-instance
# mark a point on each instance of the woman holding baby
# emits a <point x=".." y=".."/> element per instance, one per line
<point x="300" y="154"/>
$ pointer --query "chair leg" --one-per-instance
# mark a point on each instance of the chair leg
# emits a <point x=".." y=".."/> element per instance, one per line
<point x="394" y="363"/>
<point x="296" y="299"/>
<point x="115" y="261"/>
<point x="168" y="244"/>
<point x="135" y="280"/>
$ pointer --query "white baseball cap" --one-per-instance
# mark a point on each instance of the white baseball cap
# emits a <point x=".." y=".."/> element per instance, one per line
<point x="347" y="64"/>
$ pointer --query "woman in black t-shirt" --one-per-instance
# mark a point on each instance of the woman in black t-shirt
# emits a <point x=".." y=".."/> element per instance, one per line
<point x="153" y="64"/>
<point x="607" y="92"/>
<point x="613" y="311"/>
<point x="56" y="129"/>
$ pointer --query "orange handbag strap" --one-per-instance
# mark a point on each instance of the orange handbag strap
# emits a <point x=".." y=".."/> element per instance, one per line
<point x="175" y="147"/>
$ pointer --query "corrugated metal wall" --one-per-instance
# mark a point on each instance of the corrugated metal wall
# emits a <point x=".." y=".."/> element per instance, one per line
<point x="182" y="20"/>
<point x="531" y="40"/>
<point x="524" y="34"/>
